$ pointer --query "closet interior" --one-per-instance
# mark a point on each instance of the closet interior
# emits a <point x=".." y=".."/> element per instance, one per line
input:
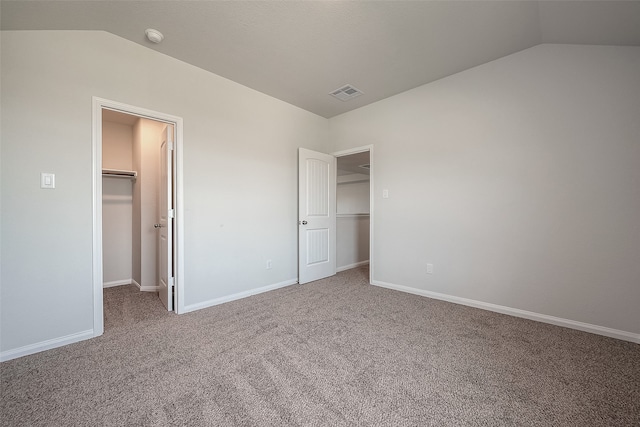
<point x="352" y="211"/>
<point x="130" y="194"/>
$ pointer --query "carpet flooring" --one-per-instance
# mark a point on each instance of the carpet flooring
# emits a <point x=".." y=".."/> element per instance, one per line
<point x="336" y="352"/>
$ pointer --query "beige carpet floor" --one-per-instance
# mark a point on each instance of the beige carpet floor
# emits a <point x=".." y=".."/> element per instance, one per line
<point x="337" y="352"/>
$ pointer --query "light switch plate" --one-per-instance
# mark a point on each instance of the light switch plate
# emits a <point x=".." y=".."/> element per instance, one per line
<point x="47" y="180"/>
<point x="385" y="194"/>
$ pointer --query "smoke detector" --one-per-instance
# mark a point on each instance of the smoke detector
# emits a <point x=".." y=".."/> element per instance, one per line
<point x="346" y="93"/>
<point x="154" y="36"/>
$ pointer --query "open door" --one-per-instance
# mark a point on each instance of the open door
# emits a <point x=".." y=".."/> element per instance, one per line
<point x="316" y="215"/>
<point x="165" y="226"/>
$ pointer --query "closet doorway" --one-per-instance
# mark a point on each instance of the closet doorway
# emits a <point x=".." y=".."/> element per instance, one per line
<point x="353" y="209"/>
<point x="137" y="228"/>
<point x="335" y="212"/>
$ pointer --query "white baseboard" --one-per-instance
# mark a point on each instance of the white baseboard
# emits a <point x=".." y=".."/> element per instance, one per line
<point x="558" y="321"/>
<point x="116" y="283"/>
<point x="45" y="345"/>
<point x="239" y="295"/>
<point x="145" y="288"/>
<point x="350" y="266"/>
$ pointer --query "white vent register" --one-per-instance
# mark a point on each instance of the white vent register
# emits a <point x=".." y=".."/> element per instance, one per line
<point x="346" y="93"/>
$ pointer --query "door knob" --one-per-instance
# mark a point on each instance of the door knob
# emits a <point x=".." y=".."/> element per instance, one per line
<point x="158" y="225"/>
<point x="303" y="222"/>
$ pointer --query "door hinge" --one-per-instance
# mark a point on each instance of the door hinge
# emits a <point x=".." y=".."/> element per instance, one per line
<point x="172" y="281"/>
<point x="171" y="145"/>
<point x="172" y="213"/>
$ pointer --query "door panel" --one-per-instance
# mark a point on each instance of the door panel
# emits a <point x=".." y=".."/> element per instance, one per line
<point x="317" y="246"/>
<point x="165" y="238"/>
<point x="316" y="215"/>
<point x="317" y="182"/>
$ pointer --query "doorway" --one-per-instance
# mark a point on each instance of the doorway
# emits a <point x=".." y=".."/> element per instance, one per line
<point x="132" y="147"/>
<point x="353" y="209"/>
<point x="318" y="214"/>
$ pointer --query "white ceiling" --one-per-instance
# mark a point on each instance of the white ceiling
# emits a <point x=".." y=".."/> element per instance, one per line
<point x="299" y="51"/>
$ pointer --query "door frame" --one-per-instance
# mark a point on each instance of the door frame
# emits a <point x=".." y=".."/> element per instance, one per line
<point x="178" y="255"/>
<point x="357" y="150"/>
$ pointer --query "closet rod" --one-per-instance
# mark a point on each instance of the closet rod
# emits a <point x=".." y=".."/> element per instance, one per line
<point x="115" y="173"/>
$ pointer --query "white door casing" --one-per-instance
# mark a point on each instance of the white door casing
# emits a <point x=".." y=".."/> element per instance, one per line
<point x="316" y="215"/>
<point x="165" y="225"/>
<point x="178" y="262"/>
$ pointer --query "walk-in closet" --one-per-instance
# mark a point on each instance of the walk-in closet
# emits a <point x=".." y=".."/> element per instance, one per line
<point x="352" y="206"/>
<point x="130" y="194"/>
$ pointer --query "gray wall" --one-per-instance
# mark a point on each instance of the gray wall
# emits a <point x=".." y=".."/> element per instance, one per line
<point x="518" y="179"/>
<point x="117" y="204"/>
<point x="146" y="193"/>
<point x="240" y="157"/>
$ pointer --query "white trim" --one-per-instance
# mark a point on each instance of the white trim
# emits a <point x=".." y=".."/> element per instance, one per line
<point x="98" y="105"/>
<point x="350" y="266"/>
<point x="45" y="345"/>
<point x="116" y="283"/>
<point x="372" y="193"/>
<point x="558" y="321"/>
<point x="145" y="288"/>
<point x="178" y="273"/>
<point x="96" y="147"/>
<point x="239" y="295"/>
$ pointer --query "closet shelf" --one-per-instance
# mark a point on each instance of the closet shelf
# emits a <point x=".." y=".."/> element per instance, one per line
<point x="116" y="173"/>
<point x="352" y="215"/>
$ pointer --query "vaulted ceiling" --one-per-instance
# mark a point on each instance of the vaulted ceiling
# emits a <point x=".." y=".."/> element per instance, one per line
<point x="300" y="51"/>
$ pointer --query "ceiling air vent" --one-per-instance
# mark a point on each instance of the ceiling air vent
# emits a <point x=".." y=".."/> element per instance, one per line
<point x="346" y="93"/>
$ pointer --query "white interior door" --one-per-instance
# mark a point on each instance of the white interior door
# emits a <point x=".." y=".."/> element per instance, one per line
<point x="165" y="226"/>
<point x="316" y="215"/>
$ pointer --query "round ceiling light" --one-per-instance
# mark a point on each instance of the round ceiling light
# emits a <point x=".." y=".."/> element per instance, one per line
<point x="154" y="36"/>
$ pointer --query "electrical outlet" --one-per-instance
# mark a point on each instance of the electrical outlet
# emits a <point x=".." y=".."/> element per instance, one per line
<point x="268" y="264"/>
<point x="429" y="268"/>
